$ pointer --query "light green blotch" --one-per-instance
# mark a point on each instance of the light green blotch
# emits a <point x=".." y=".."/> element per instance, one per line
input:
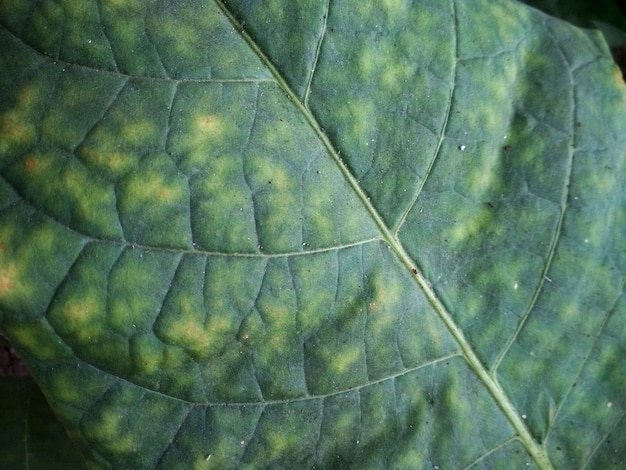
<point x="196" y="40"/>
<point x="18" y="118"/>
<point x="341" y="365"/>
<point x="79" y="311"/>
<point x="80" y="10"/>
<point x="342" y="440"/>
<point x="500" y="26"/>
<point x="277" y="202"/>
<point x="385" y="302"/>
<point x="126" y="29"/>
<point x="37" y="339"/>
<point x="222" y="211"/>
<point x="200" y="315"/>
<point x="225" y="275"/>
<point x="60" y="186"/>
<point x="74" y="108"/>
<point x="469" y="225"/>
<point x="138" y="118"/>
<point x="146" y="353"/>
<point x="134" y="125"/>
<point x="102" y="153"/>
<point x="137" y="286"/>
<point x="179" y="41"/>
<point x="229" y="426"/>
<point x="186" y="328"/>
<point x="284" y="433"/>
<point x="200" y="334"/>
<point x="26" y="238"/>
<point x="205" y="126"/>
<point x="84" y="41"/>
<point x="71" y="383"/>
<point x="119" y="425"/>
<point x="334" y="356"/>
<point x="361" y="114"/>
<point x="332" y="213"/>
<point x="314" y="278"/>
<point x="80" y="319"/>
<point x="125" y="7"/>
<point x="341" y="426"/>
<point x="153" y="203"/>
<point x="271" y="335"/>
<point x="46" y="26"/>
<point x="483" y="98"/>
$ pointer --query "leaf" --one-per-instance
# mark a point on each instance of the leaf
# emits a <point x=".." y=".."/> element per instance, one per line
<point x="30" y="434"/>
<point x="316" y="234"/>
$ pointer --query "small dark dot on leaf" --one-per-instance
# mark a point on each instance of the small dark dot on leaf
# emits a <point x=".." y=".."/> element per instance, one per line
<point x="507" y="148"/>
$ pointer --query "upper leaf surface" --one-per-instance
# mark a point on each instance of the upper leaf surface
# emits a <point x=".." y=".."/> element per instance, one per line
<point x="230" y="200"/>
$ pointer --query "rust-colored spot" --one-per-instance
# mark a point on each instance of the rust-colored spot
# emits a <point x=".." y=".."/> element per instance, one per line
<point x="165" y="193"/>
<point x="6" y="283"/>
<point x="13" y="129"/>
<point x="31" y="163"/>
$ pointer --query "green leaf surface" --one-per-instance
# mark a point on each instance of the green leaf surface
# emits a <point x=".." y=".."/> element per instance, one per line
<point x="316" y="234"/>
<point x="31" y="436"/>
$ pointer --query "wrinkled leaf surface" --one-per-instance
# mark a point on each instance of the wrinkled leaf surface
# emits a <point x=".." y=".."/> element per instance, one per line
<point x="316" y="234"/>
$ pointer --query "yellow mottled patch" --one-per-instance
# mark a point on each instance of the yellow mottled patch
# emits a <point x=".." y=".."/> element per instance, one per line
<point x="81" y="312"/>
<point x="154" y="187"/>
<point x="618" y="77"/>
<point x="115" y="162"/>
<point x="278" y="316"/>
<point x="78" y="9"/>
<point x="469" y="228"/>
<point x="14" y="129"/>
<point x="481" y="181"/>
<point x="395" y="76"/>
<point x="218" y="325"/>
<point x="345" y="422"/>
<point x="209" y="126"/>
<point x="136" y="133"/>
<point x="346" y="361"/>
<point x="7" y="279"/>
<point x="367" y="62"/>
<point x="64" y="388"/>
<point x="361" y="116"/>
<point x="192" y="334"/>
<point x="108" y="426"/>
<point x="394" y="4"/>
<point x="279" y="442"/>
<point x="126" y="5"/>
<point x="223" y="170"/>
<point x="12" y="282"/>
<point x="569" y="312"/>
<point x="36" y="340"/>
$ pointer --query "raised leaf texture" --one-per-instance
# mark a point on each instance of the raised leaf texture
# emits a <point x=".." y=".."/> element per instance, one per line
<point x="322" y="234"/>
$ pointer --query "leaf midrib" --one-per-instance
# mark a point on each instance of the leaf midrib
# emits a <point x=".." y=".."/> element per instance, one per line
<point x="532" y="446"/>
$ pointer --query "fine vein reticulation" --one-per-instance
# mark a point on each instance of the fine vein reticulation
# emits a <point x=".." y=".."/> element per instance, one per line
<point x="534" y="448"/>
